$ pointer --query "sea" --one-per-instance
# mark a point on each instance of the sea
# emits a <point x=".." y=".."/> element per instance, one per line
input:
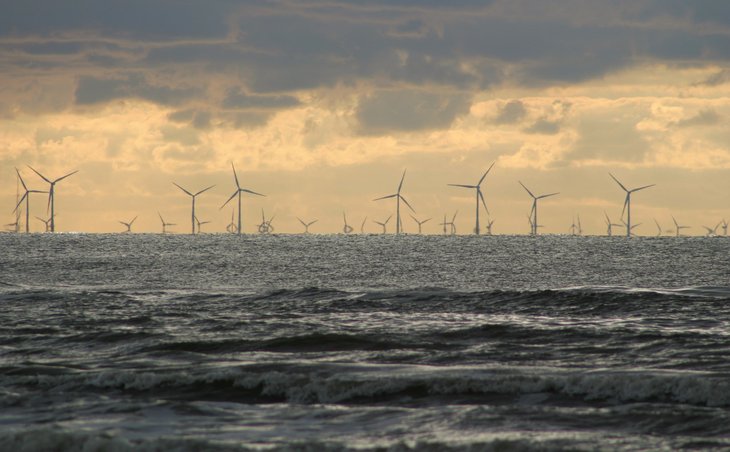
<point x="116" y="342"/>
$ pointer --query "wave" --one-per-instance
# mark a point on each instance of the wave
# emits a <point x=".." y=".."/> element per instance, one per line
<point x="369" y="384"/>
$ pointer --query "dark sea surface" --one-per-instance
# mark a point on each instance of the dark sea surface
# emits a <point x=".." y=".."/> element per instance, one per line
<point x="293" y="342"/>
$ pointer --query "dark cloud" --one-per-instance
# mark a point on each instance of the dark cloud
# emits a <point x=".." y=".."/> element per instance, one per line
<point x="718" y="78"/>
<point x="544" y="126"/>
<point x="237" y="99"/>
<point x="92" y="90"/>
<point x="409" y="110"/>
<point x="703" y="118"/>
<point x="613" y="140"/>
<point x="510" y="113"/>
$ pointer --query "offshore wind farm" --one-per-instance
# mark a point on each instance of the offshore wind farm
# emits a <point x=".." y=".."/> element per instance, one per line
<point x="364" y="226"/>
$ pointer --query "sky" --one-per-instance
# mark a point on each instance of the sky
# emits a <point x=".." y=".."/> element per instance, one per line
<point x="321" y="105"/>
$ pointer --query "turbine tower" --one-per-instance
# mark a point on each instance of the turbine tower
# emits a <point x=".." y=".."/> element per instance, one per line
<point x="238" y="192"/>
<point x="26" y="197"/>
<point x="533" y="212"/>
<point x="129" y="225"/>
<point x="479" y="196"/>
<point x="193" y="196"/>
<point x="609" y="225"/>
<point x="420" y="223"/>
<point x="627" y="203"/>
<point x="347" y="228"/>
<point x="678" y="227"/>
<point x="52" y="193"/>
<point x="398" y="197"/>
<point x="164" y="224"/>
<point x="306" y="225"/>
<point x="384" y="224"/>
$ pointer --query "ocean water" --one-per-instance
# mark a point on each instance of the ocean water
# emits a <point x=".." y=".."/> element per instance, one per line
<point x="293" y="342"/>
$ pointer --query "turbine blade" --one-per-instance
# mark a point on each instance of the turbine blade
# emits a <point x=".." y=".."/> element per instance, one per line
<point x="414" y="218"/>
<point x="462" y="185"/>
<point x="386" y="197"/>
<point x="548" y="195"/>
<point x="21" y="179"/>
<point x="64" y="177"/>
<point x="619" y="183"/>
<point x="229" y="199"/>
<point x="251" y="191"/>
<point x="235" y="176"/>
<point x="303" y="223"/>
<point x="182" y="189"/>
<point x="481" y="196"/>
<point x="485" y="173"/>
<point x="204" y="190"/>
<point x="20" y="202"/>
<point x="386" y="221"/>
<point x="424" y="221"/>
<point x="133" y="220"/>
<point x="626" y="202"/>
<point x="404" y="200"/>
<point x="41" y="175"/>
<point x="401" y="181"/>
<point x="641" y="188"/>
<point x="528" y="191"/>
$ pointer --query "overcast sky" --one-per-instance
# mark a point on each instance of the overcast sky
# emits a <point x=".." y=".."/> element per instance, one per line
<point x="322" y="104"/>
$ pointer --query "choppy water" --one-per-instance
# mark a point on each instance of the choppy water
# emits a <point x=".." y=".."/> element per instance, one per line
<point x="369" y="342"/>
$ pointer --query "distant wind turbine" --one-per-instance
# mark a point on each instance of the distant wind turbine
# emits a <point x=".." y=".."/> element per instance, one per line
<point x="200" y="224"/>
<point x="451" y="223"/>
<point x="238" y="192"/>
<point x="479" y="196"/>
<point x="52" y="193"/>
<point x="633" y="226"/>
<point x="266" y="227"/>
<point x="658" y="228"/>
<point x="232" y="228"/>
<point x="164" y="224"/>
<point x="490" y="223"/>
<point x="362" y="226"/>
<point x="46" y="222"/>
<point x="677" y="227"/>
<point x="533" y="212"/>
<point x="420" y="223"/>
<point x="193" y="196"/>
<point x="609" y="225"/>
<point x="347" y="228"/>
<point x="384" y="224"/>
<point x="723" y="225"/>
<point x="129" y="225"/>
<point x="711" y="232"/>
<point x="532" y="226"/>
<point x="26" y="197"/>
<point x="306" y="225"/>
<point x="627" y="202"/>
<point x="398" y="197"/>
<point x="444" y="224"/>
<point x="15" y="225"/>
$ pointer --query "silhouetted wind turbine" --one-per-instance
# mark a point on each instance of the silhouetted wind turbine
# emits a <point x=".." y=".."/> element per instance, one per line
<point x="266" y="227"/>
<point x="627" y="202"/>
<point x="573" y="228"/>
<point x="490" y="222"/>
<point x="193" y="196"/>
<point x="633" y="226"/>
<point x="129" y="225"/>
<point x="533" y="212"/>
<point x="362" y="226"/>
<point x="200" y="223"/>
<point x="479" y="196"/>
<point x="658" y="228"/>
<point x="26" y="197"/>
<point x="347" y="228"/>
<point x="46" y="222"/>
<point x="452" y="223"/>
<point x="678" y="227"/>
<point x="609" y="224"/>
<point x="711" y="232"/>
<point x="420" y="223"/>
<point x="164" y="224"/>
<point x="52" y="193"/>
<point x="238" y="192"/>
<point x="306" y="225"/>
<point x="398" y="197"/>
<point x="232" y="228"/>
<point x="444" y="224"/>
<point x="723" y="225"/>
<point x="384" y="224"/>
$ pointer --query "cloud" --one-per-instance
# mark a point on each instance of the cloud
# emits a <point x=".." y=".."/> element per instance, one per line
<point x="510" y="113"/>
<point x="93" y="90"/>
<point x="236" y="99"/>
<point x="703" y="118"/>
<point x="409" y="110"/>
<point x="544" y="126"/>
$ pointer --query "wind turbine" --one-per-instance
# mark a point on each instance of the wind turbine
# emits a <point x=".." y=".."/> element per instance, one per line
<point x="678" y="227"/>
<point x="164" y="224"/>
<point x="573" y="227"/>
<point x="266" y="227"/>
<point x="347" y="228"/>
<point x="362" y="226"/>
<point x="398" y="197"/>
<point x="658" y="228"/>
<point x="633" y="226"/>
<point x="26" y="197"/>
<point x="609" y="224"/>
<point x="200" y="223"/>
<point x="193" y="196"/>
<point x="306" y="225"/>
<point x="490" y="222"/>
<point x="238" y="192"/>
<point x="532" y="226"/>
<point x="15" y="225"/>
<point x="129" y="225"/>
<point x="533" y="212"/>
<point x="711" y="232"/>
<point x="479" y="196"/>
<point x="384" y="224"/>
<point x="420" y="223"/>
<point x="627" y="202"/>
<point x="52" y="193"/>
<point x="46" y="222"/>
<point x="450" y="223"/>
<point x="723" y="225"/>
